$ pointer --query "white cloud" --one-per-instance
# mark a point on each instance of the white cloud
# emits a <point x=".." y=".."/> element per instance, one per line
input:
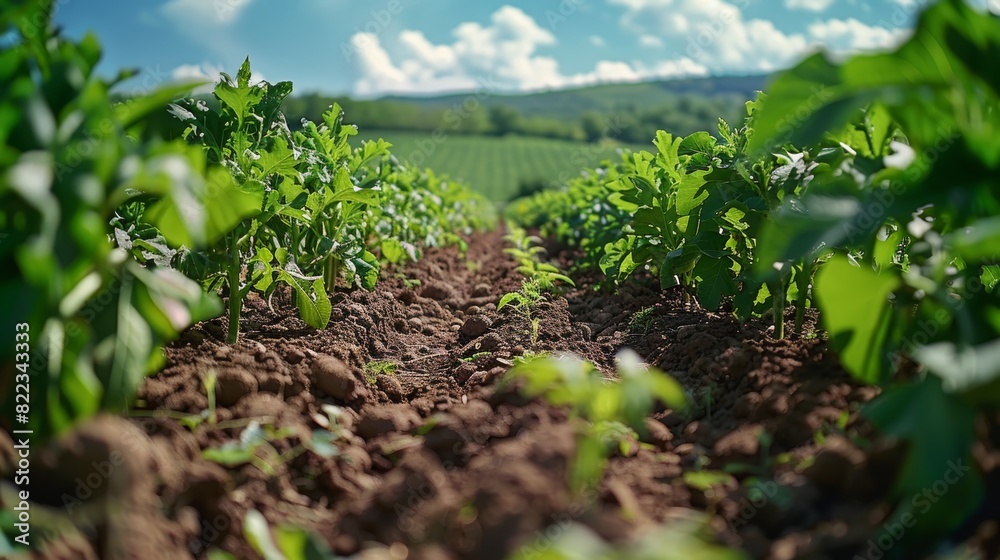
<point x="650" y="41"/>
<point x="504" y="55"/>
<point x="714" y="33"/>
<point x="204" y="13"/>
<point x="718" y="35"/>
<point x="810" y="5"/>
<point x="597" y="41"/>
<point x="846" y="35"/>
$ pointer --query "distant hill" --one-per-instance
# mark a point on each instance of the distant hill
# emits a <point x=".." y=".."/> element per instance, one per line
<point x="628" y="113"/>
<point x="571" y="103"/>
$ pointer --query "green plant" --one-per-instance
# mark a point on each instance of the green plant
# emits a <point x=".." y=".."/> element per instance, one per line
<point x="476" y="356"/>
<point x="285" y="542"/>
<point x="94" y="318"/>
<point x="605" y="407"/>
<point x="903" y="194"/>
<point x="526" y="250"/>
<point x="642" y="320"/>
<point x="209" y="383"/>
<point x="379" y="367"/>
<point x="248" y="135"/>
<point x="255" y="447"/>
<point x="525" y="299"/>
<point x="691" y="537"/>
<point x="527" y="357"/>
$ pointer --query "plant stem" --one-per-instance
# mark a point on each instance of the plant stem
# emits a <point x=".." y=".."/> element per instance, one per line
<point x="778" y="299"/>
<point x="235" y="301"/>
<point x="802" y="281"/>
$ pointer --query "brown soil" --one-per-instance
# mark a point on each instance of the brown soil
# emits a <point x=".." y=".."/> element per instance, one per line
<point x="441" y="463"/>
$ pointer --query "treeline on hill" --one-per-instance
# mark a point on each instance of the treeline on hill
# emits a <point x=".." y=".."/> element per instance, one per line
<point x="629" y="122"/>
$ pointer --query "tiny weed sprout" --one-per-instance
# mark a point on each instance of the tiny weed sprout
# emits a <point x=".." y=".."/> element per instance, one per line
<point x="609" y="410"/>
<point x="377" y="368"/>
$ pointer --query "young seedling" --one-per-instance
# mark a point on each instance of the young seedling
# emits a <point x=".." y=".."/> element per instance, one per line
<point x="256" y="440"/>
<point x="599" y="403"/>
<point x="642" y="320"/>
<point x="377" y="368"/>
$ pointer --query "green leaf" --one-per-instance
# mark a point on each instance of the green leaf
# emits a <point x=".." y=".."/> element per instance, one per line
<point x="366" y="268"/>
<point x="962" y="368"/>
<point x="856" y="313"/>
<point x="193" y="210"/>
<point x="229" y="454"/>
<point x="312" y="300"/>
<point x="991" y="277"/>
<point x="716" y="281"/>
<point x="507" y="299"/>
<point x="705" y="480"/>
<point x="135" y="109"/>
<point x="392" y="250"/>
<point x="979" y="241"/>
<point x="258" y="534"/>
<point x="239" y="96"/>
<point x="279" y="159"/>
<point x="940" y="430"/>
<point x="917" y="83"/>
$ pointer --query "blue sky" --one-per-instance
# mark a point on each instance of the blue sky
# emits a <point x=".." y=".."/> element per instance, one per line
<point x="422" y="46"/>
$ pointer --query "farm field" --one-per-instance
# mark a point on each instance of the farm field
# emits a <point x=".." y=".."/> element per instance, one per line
<point x="496" y="166"/>
<point x="779" y="339"/>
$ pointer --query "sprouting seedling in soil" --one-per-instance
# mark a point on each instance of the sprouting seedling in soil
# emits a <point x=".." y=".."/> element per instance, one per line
<point x="209" y="383"/>
<point x="690" y="536"/>
<point x="377" y="368"/>
<point x="255" y="446"/>
<point x="535" y="322"/>
<point x="642" y="320"/>
<point x="827" y="429"/>
<point x="527" y="357"/>
<point x="410" y="283"/>
<point x="525" y="299"/>
<point x="767" y="462"/>
<point x="476" y="356"/>
<point x="600" y="403"/>
<point x="284" y="542"/>
<point x="526" y="250"/>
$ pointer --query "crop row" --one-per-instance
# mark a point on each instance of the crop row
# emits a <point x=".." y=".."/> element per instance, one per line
<point x="869" y="189"/>
<point x="114" y="242"/>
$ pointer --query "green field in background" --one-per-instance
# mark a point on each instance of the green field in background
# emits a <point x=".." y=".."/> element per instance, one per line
<point x="496" y="166"/>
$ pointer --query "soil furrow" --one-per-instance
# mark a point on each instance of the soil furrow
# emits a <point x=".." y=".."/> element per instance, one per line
<point x="434" y="456"/>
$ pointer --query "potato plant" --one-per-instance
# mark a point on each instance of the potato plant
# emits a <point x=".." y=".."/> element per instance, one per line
<point x="95" y="318"/>
<point x="325" y="211"/>
<point x="867" y="188"/>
